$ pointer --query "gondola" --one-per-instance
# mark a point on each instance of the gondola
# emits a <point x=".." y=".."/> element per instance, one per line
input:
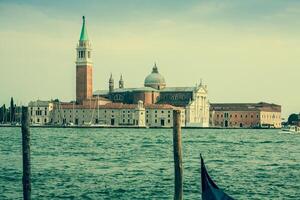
<point x="210" y="191"/>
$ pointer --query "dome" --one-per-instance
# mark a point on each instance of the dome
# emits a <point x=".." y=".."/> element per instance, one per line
<point x="155" y="79"/>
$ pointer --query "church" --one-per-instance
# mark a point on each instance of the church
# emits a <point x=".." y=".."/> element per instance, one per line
<point x="150" y="105"/>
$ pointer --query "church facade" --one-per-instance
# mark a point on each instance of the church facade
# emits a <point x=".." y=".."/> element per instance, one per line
<point x="193" y="100"/>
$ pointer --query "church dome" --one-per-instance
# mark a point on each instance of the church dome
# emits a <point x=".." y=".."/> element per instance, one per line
<point x="155" y="79"/>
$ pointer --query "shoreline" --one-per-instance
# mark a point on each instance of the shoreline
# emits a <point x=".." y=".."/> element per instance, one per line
<point x="125" y="127"/>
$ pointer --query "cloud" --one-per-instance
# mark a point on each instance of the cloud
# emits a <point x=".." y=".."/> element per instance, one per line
<point x="209" y="7"/>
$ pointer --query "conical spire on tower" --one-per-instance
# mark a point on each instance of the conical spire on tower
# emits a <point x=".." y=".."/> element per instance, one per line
<point x="121" y="82"/>
<point x="83" y="34"/>
<point x="111" y="83"/>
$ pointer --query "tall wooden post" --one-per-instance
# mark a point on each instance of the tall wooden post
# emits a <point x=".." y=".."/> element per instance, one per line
<point x="178" y="195"/>
<point x="26" y="154"/>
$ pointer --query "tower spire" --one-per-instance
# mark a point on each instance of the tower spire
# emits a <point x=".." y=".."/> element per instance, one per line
<point x="83" y="34"/>
<point x="121" y="82"/>
<point x="111" y="83"/>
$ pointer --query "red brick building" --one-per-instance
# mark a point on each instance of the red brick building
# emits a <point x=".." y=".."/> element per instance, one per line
<point x="245" y="115"/>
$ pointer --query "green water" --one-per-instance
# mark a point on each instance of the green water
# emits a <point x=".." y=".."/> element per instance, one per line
<point x="138" y="163"/>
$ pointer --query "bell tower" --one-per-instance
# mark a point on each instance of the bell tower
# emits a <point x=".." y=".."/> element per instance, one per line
<point x="84" y="66"/>
<point x="111" y="84"/>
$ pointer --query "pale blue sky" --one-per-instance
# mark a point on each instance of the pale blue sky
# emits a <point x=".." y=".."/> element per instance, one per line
<point x="245" y="51"/>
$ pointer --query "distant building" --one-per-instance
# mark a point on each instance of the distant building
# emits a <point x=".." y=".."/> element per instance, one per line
<point x="245" y="115"/>
<point x="115" y="114"/>
<point x="40" y="112"/>
<point x="193" y="100"/>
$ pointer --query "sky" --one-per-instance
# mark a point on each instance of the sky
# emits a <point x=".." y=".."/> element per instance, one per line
<point x="244" y="51"/>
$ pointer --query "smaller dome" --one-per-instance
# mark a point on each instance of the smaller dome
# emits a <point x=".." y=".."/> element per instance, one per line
<point x="155" y="79"/>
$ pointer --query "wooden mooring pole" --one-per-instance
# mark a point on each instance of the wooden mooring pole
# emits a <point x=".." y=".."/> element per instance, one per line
<point x="178" y="194"/>
<point x="26" y="154"/>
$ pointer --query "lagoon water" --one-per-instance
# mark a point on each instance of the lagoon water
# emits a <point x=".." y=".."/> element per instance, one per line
<point x="138" y="163"/>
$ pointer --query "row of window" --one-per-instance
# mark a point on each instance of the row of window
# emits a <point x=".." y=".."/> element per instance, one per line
<point x="230" y="116"/>
<point x="82" y="54"/>
<point x="38" y="120"/>
<point x="31" y="108"/>
<point x="38" y="112"/>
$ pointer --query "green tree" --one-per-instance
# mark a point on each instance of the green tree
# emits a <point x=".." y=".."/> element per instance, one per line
<point x="3" y="119"/>
<point x="292" y="119"/>
<point x="1" y="114"/>
<point x="12" y="110"/>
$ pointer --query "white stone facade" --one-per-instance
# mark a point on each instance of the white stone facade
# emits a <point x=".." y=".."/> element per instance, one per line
<point x="40" y="112"/>
<point x="162" y="116"/>
<point x="197" y="112"/>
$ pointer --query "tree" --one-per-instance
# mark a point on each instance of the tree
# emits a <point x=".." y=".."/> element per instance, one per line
<point x="1" y="114"/>
<point x="12" y="110"/>
<point x="293" y="118"/>
<point x="3" y="119"/>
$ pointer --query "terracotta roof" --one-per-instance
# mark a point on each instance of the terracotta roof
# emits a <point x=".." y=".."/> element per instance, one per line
<point x="262" y="106"/>
<point x="118" y="106"/>
<point x="39" y="103"/>
<point x="161" y="106"/>
<point x="94" y="106"/>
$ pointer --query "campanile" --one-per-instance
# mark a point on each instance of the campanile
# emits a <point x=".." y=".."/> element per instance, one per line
<point x="84" y="66"/>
